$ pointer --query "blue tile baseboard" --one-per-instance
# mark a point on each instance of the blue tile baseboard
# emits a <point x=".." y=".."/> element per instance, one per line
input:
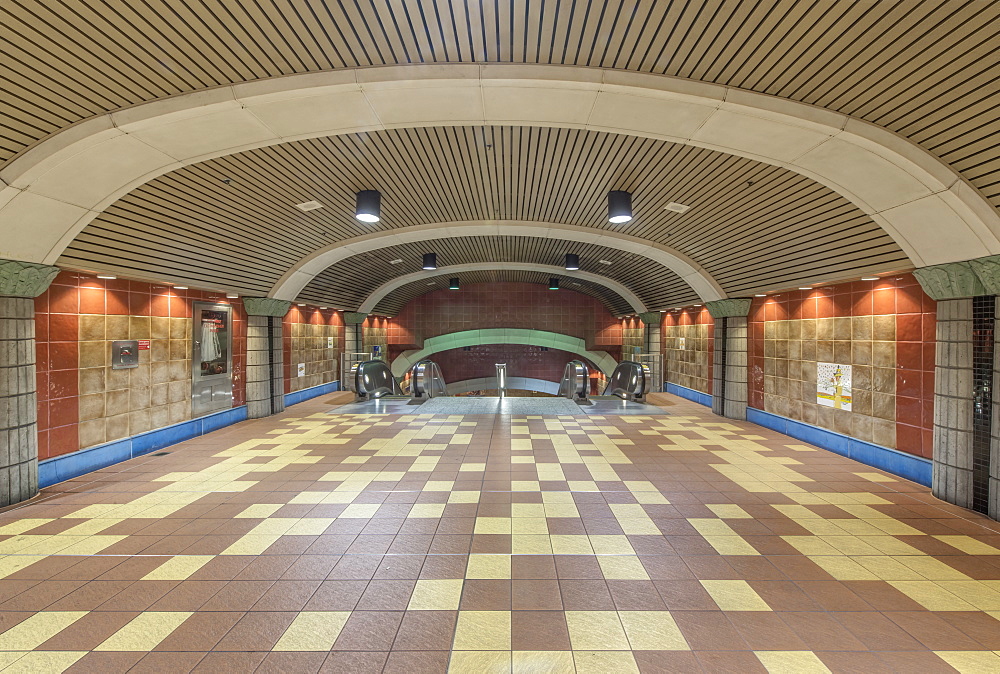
<point x="65" y="467"/>
<point x="311" y="392"/>
<point x="915" y="468"/>
<point x="75" y="464"/>
<point x="689" y="393"/>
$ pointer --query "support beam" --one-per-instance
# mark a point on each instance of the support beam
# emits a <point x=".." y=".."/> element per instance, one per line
<point x="20" y="284"/>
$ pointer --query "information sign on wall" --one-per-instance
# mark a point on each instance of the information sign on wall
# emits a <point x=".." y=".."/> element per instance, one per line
<point x="302" y="369"/>
<point x="833" y="385"/>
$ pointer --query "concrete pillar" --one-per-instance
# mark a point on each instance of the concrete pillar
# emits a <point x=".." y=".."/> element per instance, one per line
<point x="265" y="356"/>
<point x="966" y="435"/>
<point x="20" y="284"/>
<point x="729" y="367"/>
<point x="994" y="498"/>
<point x="652" y="344"/>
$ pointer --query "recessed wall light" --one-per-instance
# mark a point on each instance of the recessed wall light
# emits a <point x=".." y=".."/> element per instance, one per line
<point x="301" y="305"/>
<point x="180" y="287"/>
<point x="107" y="276"/>
<point x="324" y="308"/>
<point x="805" y="287"/>
<point x="760" y="295"/>
<point x="863" y="278"/>
<point x="309" y="206"/>
<point x="677" y="208"/>
<point x="232" y="296"/>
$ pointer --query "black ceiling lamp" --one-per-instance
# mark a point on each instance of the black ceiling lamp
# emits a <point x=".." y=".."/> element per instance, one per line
<point x="553" y="283"/>
<point x="619" y="207"/>
<point x="453" y="283"/>
<point x="572" y="262"/>
<point x="368" y="206"/>
<point x="430" y="261"/>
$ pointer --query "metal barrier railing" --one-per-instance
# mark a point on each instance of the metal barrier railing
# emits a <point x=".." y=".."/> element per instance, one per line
<point x="502" y="379"/>
<point x="575" y="383"/>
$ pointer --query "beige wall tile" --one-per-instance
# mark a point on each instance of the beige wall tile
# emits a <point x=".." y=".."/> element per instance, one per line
<point x="92" y="380"/>
<point x="138" y="421"/>
<point x="159" y="327"/>
<point x="116" y="402"/>
<point x="117" y="328"/>
<point x="92" y="432"/>
<point x="117" y="427"/>
<point x="139" y="327"/>
<point x="92" y="407"/>
<point x="92" y="327"/>
<point x="94" y="353"/>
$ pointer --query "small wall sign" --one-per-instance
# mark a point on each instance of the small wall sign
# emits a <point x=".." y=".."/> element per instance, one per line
<point x="302" y="369"/>
<point x="144" y="345"/>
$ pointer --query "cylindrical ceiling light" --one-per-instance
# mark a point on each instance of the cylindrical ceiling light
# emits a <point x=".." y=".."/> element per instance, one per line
<point x="453" y="284"/>
<point x="572" y="261"/>
<point x="619" y="207"/>
<point x="553" y="283"/>
<point x="369" y="206"/>
<point x="430" y="261"/>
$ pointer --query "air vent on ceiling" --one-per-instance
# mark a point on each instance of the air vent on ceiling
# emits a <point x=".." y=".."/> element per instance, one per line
<point x="604" y="261"/>
<point x="309" y="206"/>
<point x="677" y="208"/>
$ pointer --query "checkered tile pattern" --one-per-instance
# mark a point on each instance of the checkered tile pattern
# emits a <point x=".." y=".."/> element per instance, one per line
<point x="341" y="542"/>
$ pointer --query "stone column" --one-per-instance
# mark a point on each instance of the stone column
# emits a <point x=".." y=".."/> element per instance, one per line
<point x="265" y="356"/>
<point x="353" y="342"/>
<point x="729" y="368"/>
<point x="652" y="344"/>
<point x="965" y="468"/>
<point x="20" y="284"/>
<point x="994" y="506"/>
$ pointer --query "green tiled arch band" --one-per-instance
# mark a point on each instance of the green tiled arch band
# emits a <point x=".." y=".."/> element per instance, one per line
<point x="735" y="307"/>
<point x="266" y="306"/>
<point x="456" y="340"/>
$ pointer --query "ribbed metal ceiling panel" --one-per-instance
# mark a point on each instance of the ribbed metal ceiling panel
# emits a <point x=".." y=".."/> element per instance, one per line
<point x="926" y="69"/>
<point x="751" y="225"/>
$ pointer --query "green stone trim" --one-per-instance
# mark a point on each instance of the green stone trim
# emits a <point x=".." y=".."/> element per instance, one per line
<point x="950" y="281"/>
<point x="738" y="307"/>
<point x="25" y="279"/>
<point x="650" y="317"/>
<point x="266" y="306"/>
<point x="354" y="318"/>
<point x="987" y="269"/>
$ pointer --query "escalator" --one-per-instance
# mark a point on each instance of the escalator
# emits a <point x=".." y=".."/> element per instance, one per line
<point x="575" y="383"/>
<point x="630" y="381"/>
<point x="426" y="382"/>
<point x="371" y="380"/>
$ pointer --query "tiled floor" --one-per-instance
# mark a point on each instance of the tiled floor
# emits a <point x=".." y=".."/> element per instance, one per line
<point x="349" y="543"/>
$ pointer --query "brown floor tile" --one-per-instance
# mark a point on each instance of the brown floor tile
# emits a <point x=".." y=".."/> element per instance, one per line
<point x="539" y="631"/>
<point x="877" y="632"/>
<point x="765" y="631"/>
<point x="486" y="595"/>
<point x="708" y="630"/>
<point x="535" y="595"/>
<point x="586" y="595"/>
<point x="105" y="662"/>
<point x="256" y="631"/>
<point x="88" y="632"/>
<point x="291" y="663"/>
<point x="416" y="662"/>
<point x="426" y="631"/>
<point x="157" y="663"/>
<point x="237" y="595"/>
<point x="230" y="663"/>
<point x="200" y="632"/>
<point x="369" y="631"/>
<point x="730" y="661"/>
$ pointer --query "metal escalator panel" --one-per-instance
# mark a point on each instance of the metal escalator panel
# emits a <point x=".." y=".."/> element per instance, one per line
<point x="629" y="381"/>
<point x="426" y="381"/>
<point x="373" y="379"/>
<point x="575" y="384"/>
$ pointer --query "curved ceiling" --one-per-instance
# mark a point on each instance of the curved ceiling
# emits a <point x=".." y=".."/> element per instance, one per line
<point x="752" y="226"/>
<point x="922" y="69"/>
<point x="392" y="304"/>
<point x="655" y="285"/>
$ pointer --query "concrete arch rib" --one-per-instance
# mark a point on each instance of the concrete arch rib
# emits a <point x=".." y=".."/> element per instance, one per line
<point x="372" y="300"/>
<point x="50" y="192"/>
<point x="299" y="276"/>
<point x="455" y="340"/>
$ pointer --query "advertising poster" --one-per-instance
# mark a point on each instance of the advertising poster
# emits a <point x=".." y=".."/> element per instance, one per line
<point x="833" y="385"/>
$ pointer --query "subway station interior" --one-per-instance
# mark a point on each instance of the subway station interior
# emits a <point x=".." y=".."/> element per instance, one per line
<point x="535" y="336"/>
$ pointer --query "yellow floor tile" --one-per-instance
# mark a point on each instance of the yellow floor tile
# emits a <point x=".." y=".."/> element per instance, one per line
<point x="436" y="595"/>
<point x="426" y="510"/>
<point x="729" y="511"/>
<point x="931" y="596"/>
<point x="313" y="631"/>
<point x="843" y="568"/>
<point x="464" y="496"/>
<point x="972" y="662"/>
<point x="734" y="595"/>
<point x="359" y="510"/>
<point x="251" y="544"/>
<point x="596" y="631"/>
<point x="533" y="510"/>
<point x="492" y="525"/>
<point x="604" y="662"/>
<point x="529" y="525"/>
<point x="652" y="631"/>
<point x="969" y="545"/>
<point x="488" y="566"/>
<point x="791" y="662"/>
<point x="604" y="544"/>
<point x="531" y="544"/>
<point x="542" y="662"/>
<point x="731" y="545"/>
<point x="482" y="631"/>
<point x="39" y="628"/>
<point x="145" y="631"/>
<point x="622" y="567"/>
<point x="49" y="662"/>
<point x="476" y="662"/>
<point x="568" y="544"/>
<point x="178" y="568"/>
<point x="262" y="510"/>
